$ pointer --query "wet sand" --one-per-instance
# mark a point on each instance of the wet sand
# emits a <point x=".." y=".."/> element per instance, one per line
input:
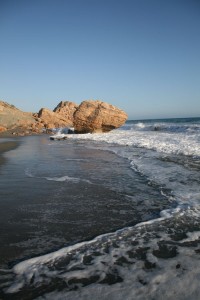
<point x="6" y="146"/>
<point x="55" y="194"/>
<point x="40" y="215"/>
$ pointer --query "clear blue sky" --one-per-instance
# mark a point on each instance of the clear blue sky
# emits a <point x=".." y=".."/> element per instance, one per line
<point x="140" y="55"/>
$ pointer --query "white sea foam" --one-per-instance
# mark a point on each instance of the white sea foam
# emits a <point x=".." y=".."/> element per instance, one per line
<point x="162" y="142"/>
<point x="67" y="178"/>
<point x="131" y="256"/>
<point x="172" y="127"/>
<point x="157" y="259"/>
<point x="148" y="150"/>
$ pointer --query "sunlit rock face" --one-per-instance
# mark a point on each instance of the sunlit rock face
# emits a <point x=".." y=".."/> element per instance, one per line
<point x="97" y="116"/>
<point x="52" y="119"/>
<point x="89" y="117"/>
<point x="61" y="116"/>
<point x="10" y="117"/>
<point x="66" y="109"/>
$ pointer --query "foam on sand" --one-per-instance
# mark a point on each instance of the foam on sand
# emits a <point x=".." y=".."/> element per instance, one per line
<point x="140" y="262"/>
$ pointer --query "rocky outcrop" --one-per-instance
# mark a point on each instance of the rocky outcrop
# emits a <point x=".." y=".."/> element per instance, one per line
<point x="90" y="116"/>
<point x="52" y="119"/>
<point x="11" y="117"/>
<point x="66" y="109"/>
<point x="17" y="122"/>
<point x="97" y="116"/>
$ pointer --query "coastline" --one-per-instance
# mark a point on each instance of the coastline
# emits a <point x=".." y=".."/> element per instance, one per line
<point x="10" y="133"/>
<point x="6" y="146"/>
<point x="137" y="178"/>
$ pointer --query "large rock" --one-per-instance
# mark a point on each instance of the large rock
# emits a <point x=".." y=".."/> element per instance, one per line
<point x="89" y="116"/>
<point x="61" y="116"/>
<point x="66" y="109"/>
<point x="97" y="116"/>
<point x="52" y="119"/>
<point x="11" y="117"/>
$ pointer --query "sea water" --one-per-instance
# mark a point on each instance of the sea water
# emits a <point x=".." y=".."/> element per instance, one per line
<point x="103" y="216"/>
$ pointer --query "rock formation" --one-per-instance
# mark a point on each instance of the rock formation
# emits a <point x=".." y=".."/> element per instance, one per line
<point x="66" y="109"/>
<point x="90" y="116"/>
<point x="52" y="119"/>
<point x="97" y="116"/>
<point x="11" y="117"/>
<point x="61" y="116"/>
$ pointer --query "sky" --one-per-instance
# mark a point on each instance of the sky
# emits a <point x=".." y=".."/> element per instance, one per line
<point x="142" y="56"/>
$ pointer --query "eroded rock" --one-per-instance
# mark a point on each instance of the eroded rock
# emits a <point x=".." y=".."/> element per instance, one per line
<point x="89" y="117"/>
<point x="97" y="116"/>
<point x="11" y="117"/>
<point x="66" y="109"/>
<point x="52" y="119"/>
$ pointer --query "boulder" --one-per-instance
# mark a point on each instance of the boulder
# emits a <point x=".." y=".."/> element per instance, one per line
<point x="66" y="109"/>
<point x="52" y="119"/>
<point x="97" y="116"/>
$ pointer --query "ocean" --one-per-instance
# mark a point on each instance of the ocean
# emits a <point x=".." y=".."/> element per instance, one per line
<point x="102" y="216"/>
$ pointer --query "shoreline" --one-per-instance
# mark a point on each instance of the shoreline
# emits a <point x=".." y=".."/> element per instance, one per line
<point x="6" y="146"/>
<point x="17" y="133"/>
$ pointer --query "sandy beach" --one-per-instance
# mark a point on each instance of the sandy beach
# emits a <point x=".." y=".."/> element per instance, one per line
<point x="6" y="145"/>
<point x="107" y="214"/>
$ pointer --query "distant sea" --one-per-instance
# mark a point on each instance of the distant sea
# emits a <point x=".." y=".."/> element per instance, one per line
<point x="103" y="216"/>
